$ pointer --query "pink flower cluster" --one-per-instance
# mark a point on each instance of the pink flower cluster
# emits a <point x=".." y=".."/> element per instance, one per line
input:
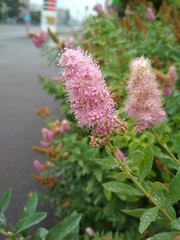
<point x="38" y="40"/>
<point x="37" y="165"/>
<point x="65" y="126"/>
<point x="144" y="105"/>
<point x="89" y="97"/>
<point x="48" y="136"/>
<point x="150" y="14"/>
<point x="98" y="8"/>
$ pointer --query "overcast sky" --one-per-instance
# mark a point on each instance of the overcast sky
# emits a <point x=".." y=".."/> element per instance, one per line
<point x="76" y="7"/>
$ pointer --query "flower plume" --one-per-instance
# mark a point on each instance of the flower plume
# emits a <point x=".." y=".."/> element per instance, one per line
<point x="144" y="105"/>
<point x="88" y="95"/>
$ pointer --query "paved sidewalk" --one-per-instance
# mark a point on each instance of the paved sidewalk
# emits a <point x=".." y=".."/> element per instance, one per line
<point x="20" y="128"/>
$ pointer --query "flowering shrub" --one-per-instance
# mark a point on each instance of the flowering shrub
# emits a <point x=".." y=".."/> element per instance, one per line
<point x="131" y="169"/>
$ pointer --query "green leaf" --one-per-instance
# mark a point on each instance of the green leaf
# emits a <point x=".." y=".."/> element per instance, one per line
<point x="165" y="236"/>
<point x="107" y="163"/>
<point x="98" y="174"/>
<point x="166" y="160"/>
<point x="164" y="139"/>
<point x="159" y="186"/>
<point x="30" y="206"/>
<point x="41" y="234"/>
<point x="146" y="163"/>
<point x="2" y="221"/>
<point x="29" y="221"/>
<point x="122" y="175"/>
<point x="174" y="193"/>
<point x="4" y="200"/>
<point x="134" y="158"/>
<point x="108" y="150"/>
<point x="135" y="212"/>
<point x="107" y="194"/>
<point x="176" y="224"/>
<point x="122" y="188"/>
<point x="148" y="216"/>
<point x="64" y="228"/>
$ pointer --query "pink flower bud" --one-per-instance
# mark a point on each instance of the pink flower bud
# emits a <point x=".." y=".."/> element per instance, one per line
<point x="37" y="165"/>
<point x="48" y="135"/>
<point x="65" y="126"/>
<point x="89" y="232"/>
<point x="150" y="14"/>
<point x="121" y="155"/>
<point x="45" y="144"/>
<point x="36" y="42"/>
<point x="69" y="44"/>
<point x="42" y="37"/>
<point x="172" y="73"/>
<point x="167" y="91"/>
<point x="98" y="8"/>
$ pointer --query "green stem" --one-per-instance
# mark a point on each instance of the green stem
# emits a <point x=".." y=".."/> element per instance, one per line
<point x="165" y="147"/>
<point x="138" y="184"/>
<point x="10" y="235"/>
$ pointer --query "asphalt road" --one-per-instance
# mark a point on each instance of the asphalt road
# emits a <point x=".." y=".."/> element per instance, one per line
<point x="20" y="128"/>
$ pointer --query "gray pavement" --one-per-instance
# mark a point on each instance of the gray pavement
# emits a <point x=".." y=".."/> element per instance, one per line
<point x="20" y="128"/>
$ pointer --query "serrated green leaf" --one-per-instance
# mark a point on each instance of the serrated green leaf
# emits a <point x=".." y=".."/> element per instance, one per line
<point x="146" y="163"/>
<point x="135" y="212"/>
<point x="30" y="206"/>
<point x="176" y="224"/>
<point x="174" y="193"/>
<point x="122" y="188"/>
<point x="64" y="228"/>
<point x="29" y="221"/>
<point x="107" y="163"/>
<point x="4" y="200"/>
<point x="164" y="139"/>
<point x="148" y="216"/>
<point x="165" y="236"/>
<point x="134" y="158"/>
<point x="2" y="221"/>
<point x="41" y="234"/>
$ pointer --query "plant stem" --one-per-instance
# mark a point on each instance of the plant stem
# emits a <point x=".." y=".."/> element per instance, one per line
<point x="165" y="147"/>
<point x="138" y="184"/>
<point x="10" y="235"/>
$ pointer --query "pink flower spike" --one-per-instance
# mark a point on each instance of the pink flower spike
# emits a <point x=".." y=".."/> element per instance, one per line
<point x="150" y="14"/>
<point x="48" y="135"/>
<point x="37" y="165"/>
<point x="144" y="105"/>
<point x="89" y="232"/>
<point x="65" y="126"/>
<point x="90" y="99"/>
<point x="44" y="144"/>
<point x="42" y="37"/>
<point x="36" y="42"/>
<point x="121" y="155"/>
<point x="172" y="73"/>
<point x="167" y="91"/>
<point x="98" y="8"/>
